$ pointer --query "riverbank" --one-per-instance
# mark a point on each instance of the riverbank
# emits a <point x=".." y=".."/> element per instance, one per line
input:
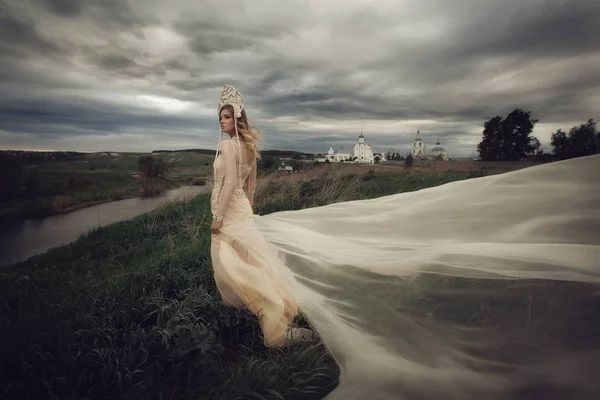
<point x="131" y="310"/>
<point x="20" y="240"/>
<point x="37" y="189"/>
<point x="118" y="189"/>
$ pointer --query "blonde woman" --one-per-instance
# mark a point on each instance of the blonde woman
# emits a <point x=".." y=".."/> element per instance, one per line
<point x="244" y="272"/>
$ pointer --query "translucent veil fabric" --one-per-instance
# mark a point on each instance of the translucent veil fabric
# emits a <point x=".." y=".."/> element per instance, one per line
<point x="414" y="293"/>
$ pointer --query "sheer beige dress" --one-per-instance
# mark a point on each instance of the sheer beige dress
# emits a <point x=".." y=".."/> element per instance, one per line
<point x="241" y="275"/>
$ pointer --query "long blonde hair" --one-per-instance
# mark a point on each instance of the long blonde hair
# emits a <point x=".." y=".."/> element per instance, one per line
<point x="248" y="133"/>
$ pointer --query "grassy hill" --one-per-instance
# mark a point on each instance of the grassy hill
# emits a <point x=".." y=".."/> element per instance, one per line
<point x="130" y="311"/>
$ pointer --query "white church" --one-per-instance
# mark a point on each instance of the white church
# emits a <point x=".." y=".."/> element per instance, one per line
<point x="362" y="153"/>
<point x="419" y="151"/>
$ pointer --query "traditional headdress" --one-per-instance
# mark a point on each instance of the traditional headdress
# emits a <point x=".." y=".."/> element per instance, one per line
<point x="231" y="96"/>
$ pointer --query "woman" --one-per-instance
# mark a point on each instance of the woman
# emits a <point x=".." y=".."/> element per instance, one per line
<point x="375" y="277"/>
<point x="242" y="279"/>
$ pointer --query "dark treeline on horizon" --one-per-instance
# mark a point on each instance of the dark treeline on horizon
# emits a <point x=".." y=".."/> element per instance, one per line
<point x="40" y="156"/>
<point x="279" y="153"/>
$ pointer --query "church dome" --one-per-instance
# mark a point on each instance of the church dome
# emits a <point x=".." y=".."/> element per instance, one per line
<point x="438" y="152"/>
<point x="438" y="148"/>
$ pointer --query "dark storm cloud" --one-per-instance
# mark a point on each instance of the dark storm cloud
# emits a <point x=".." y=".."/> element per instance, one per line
<point x="533" y="29"/>
<point x="333" y="103"/>
<point x="207" y="35"/>
<point x="63" y="8"/>
<point x="114" y="61"/>
<point x="51" y="118"/>
<point x="20" y="37"/>
<point x="338" y="102"/>
<point x="311" y="76"/>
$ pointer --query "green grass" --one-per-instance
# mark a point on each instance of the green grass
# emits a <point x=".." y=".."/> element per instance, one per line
<point x="131" y="311"/>
<point x="52" y="187"/>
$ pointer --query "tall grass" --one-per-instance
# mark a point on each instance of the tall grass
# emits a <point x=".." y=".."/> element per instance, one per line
<point x="323" y="186"/>
<point x="131" y="311"/>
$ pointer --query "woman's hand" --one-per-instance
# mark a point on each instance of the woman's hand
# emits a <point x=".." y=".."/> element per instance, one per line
<point x="215" y="227"/>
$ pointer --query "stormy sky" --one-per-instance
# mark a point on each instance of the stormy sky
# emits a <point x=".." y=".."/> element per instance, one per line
<point x="140" y="75"/>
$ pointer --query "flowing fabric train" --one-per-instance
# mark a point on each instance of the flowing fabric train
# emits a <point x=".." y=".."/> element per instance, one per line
<point x="363" y="273"/>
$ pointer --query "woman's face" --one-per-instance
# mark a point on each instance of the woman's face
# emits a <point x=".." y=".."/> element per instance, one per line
<point x="226" y="121"/>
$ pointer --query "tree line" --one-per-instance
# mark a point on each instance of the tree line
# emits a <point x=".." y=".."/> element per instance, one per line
<point x="510" y="139"/>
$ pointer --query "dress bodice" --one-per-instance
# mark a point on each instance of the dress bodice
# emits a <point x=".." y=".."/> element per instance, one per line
<point x="225" y="176"/>
<point x="219" y="172"/>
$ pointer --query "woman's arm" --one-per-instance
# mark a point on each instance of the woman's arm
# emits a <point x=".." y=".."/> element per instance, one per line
<point x="230" y="179"/>
<point x="251" y="185"/>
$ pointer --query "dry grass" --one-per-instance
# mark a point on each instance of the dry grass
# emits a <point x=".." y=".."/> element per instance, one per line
<point x="449" y="166"/>
<point x="343" y="181"/>
<point x="342" y="184"/>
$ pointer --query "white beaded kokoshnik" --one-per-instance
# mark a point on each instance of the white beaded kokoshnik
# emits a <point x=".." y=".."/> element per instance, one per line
<point x="231" y="96"/>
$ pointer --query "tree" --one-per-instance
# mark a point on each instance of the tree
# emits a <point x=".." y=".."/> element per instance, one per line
<point x="297" y="165"/>
<point x="151" y="167"/>
<point x="561" y="145"/>
<point x="508" y="139"/>
<point x="582" y="140"/>
<point x="268" y="162"/>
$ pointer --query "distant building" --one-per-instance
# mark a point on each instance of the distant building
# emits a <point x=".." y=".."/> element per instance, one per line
<point x="337" y="156"/>
<point x="379" y="158"/>
<point x="418" y="147"/>
<point x="362" y="153"/>
<point x="419" y="150"/>
<point x="288" y="169"/>
<point x="438" y="153"/>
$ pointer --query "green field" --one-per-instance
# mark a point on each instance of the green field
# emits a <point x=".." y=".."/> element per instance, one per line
<point x="48" y="187"/>
<point x="130" y="311"/>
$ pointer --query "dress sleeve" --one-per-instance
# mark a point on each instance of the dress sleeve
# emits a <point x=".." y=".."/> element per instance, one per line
<point x="252" y="185"/>
<point x="230" y="177"/>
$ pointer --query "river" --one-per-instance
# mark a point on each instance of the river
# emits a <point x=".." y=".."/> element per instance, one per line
<point x="20" y="240"/>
